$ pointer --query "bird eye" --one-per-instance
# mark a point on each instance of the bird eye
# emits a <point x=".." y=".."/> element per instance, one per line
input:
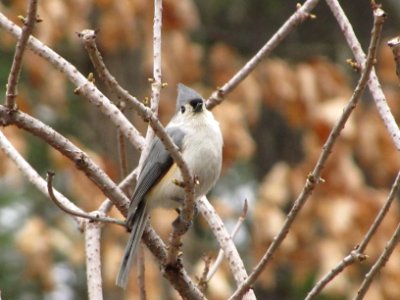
<point x="183" y="109"/>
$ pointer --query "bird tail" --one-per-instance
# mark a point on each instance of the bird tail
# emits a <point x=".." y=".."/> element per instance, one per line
<point x="138" y="223"/>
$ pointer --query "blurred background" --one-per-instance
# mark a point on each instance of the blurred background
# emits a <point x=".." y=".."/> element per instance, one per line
<point x="274" y="125"/>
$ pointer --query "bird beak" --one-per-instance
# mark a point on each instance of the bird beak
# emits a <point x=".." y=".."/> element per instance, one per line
<point x="199" y="107"/>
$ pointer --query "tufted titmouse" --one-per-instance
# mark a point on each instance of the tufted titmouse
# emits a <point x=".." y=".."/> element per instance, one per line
<point x="198" y="137"/>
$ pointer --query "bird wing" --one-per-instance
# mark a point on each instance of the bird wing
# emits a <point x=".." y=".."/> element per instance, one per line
<point x="156" y="164"/>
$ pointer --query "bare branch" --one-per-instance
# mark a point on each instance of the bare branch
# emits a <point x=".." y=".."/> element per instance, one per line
<point x="220" y="255"/>
<point x="67" y="148"/>
<point x="373" y="84"/>
<point x="141" y="268"/>
<point x="357" y="254"/>
<point x="97" y="217"/>
<point x="314" y="178"/>
<point x="379" y="264"/>
<point x="225" y="241"/>
<point x="202" y="282"/>
<point x="30" y="173"/>
<point x="85" y="87"/>
<point x="156" y="80"/>
<point x="93" y="260"/>
<point x="13" y="77"/>
<point x="88" y="37"/>
<point x="302" y="13"/>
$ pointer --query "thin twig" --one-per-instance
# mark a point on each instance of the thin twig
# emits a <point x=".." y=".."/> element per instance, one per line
<point x="141" y="271"/>
<point x="156" y="80"/>
<point x="302" y="13"/>
<point x="13" y="77"/>
<point x="379" y="264"/>
<point x="67" y="148"/>
<point x="93" y="260"/>
<point x="85" y="87"/>
<point x="123" y="160"/>
<point x="202" y="282"/>
<point x="314" y="178"/>
<point x="225" y="242"/>
<point x="30" y="173"/>
<point x="154" y="103"/>
<point x="93" y="217"/>
<point x="235" y="230"/>
<point x="357" y="254"/>
<point x="375" y="87"/>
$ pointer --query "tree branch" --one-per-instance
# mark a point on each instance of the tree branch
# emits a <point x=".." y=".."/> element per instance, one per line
<point x="302" y="13"/>
<point x="373" y="84"/>
<point x="68" y="149"/>
<point x="379" y="264"/>
<point x="85" y="87"/>
<point x="93" y="260"/>
<point x="30" y="173"/>
<point x="314" y="178"/>
<point x="96" y="216"/>
<point x="13" y="77"/>
<point x="357" y="254"/>
<point x="225" y="241"/>
<point x="88" y="38"/>
<point x="220" y="255"/>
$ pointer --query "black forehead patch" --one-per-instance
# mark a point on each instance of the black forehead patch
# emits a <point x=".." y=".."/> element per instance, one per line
<point x="195" y="102"/>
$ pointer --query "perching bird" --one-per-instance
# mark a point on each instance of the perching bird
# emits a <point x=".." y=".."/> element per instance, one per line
<point x="198" y="137"/>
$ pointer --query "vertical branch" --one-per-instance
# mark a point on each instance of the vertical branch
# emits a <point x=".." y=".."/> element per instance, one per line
<point x="141" y="273"/>
<point x="157" y="83"/>
<point x="93" y="259"/>
<point x="13" y="77"/>
<point x="314" y="178"/>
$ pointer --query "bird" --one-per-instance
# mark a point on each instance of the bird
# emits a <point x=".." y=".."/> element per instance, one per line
<point x="197" y="134"/>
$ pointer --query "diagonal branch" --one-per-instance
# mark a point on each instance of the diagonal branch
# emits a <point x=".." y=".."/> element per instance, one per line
<point x="227" y="245"/>
<point x="379" y="264"/>
<point x="89" y="39"/>
<point x="13" y="77"/>
<point x="302" y="13"/>
<point x="85" y="87"/>
<point x="314" y="178"/>
<point x="373" y="84"/>
<point x="30" y="173"/>
<point x="357" y="254"/>
<point x="68" y="149"/>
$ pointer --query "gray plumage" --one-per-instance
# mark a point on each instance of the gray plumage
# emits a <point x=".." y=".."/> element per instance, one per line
<point x="197" y="135"/>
